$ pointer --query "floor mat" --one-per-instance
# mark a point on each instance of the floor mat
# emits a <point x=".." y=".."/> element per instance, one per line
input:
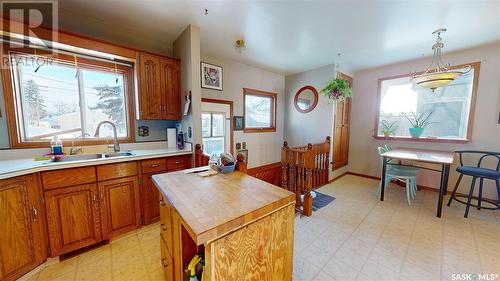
<point x="321" y="200"/>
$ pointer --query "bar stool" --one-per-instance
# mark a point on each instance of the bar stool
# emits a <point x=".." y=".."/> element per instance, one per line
<point x="477" y="172"/>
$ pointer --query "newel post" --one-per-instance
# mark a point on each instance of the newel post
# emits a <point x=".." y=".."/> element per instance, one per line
<point x="240" y="163"/>
<point x="284" y="165"/>
<point x="309" y="165"/>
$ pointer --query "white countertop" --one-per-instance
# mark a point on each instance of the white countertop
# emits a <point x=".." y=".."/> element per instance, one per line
<point x="18" y="167"/>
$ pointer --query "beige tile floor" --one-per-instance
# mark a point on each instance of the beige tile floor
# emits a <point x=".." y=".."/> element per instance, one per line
<point x="356" y="237"/>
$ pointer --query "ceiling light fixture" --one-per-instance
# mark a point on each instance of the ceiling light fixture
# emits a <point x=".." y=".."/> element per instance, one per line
<point x="239" y="46"/>
<point x="437" y="74"/>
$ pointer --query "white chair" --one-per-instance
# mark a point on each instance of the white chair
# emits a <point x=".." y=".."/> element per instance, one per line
<point x="402" y="173"/>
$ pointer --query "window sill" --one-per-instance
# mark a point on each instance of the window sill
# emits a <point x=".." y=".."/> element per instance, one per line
<point x="429" y="140"/>
<point x="259" y="130"/>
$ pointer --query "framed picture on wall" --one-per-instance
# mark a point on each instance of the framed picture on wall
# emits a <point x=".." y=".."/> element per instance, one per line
<point x="211" y="76"/>
<point x="238" y="123"/>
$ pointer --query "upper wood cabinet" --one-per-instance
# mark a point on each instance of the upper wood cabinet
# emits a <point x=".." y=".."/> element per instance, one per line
<point x="73" y="218"/>
<point x="22" y="238"/>
<point x="158" y="88"/>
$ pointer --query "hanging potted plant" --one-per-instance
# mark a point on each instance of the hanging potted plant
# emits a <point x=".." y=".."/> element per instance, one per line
<point x="418" y="123"/>
<point x="337" y="89"/>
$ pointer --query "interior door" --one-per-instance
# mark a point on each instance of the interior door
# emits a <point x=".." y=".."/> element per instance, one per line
<point x="342" y="130"/>
<point x="73" y="218"/>
<point x="120" y="210"/>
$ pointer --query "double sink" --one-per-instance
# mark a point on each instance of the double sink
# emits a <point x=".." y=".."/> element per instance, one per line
<point x="71" y="158"/>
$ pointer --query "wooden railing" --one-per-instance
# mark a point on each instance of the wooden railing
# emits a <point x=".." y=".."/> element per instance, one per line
<point x="305" y="168"/>
<point x="200" y="158"/>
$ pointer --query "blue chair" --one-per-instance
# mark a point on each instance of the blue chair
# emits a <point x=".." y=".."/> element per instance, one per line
<point x="476" y="172"/>
<point x="403" y="173"/>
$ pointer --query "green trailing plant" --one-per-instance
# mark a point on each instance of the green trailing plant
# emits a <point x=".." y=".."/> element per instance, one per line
<point x="337" y="89"/>
<point x="419" y="121"/>
<point x="388" y="128"/>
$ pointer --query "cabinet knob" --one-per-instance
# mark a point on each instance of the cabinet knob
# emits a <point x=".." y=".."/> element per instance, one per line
<point x="162" y="203"/>
<point x="163" y="227"/>
<point x="155" y="165"/>
<point x="164" y="262"/>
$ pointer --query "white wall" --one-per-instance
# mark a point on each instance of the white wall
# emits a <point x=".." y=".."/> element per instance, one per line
<point x="314" y="126"/>
<point x="486" y="132"/>
<point x="187" y="49"/>
<point x="263" y="148"/>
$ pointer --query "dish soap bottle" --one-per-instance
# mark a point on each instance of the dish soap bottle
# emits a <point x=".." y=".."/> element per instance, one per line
<point x="56" y="146"/>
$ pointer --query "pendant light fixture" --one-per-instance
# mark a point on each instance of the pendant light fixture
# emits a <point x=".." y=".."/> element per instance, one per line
<point x="437" y="74"/>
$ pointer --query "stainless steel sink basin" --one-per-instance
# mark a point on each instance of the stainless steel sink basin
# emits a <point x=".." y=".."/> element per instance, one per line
<point x="118" y="154"/>
<point x="81" y="157"/>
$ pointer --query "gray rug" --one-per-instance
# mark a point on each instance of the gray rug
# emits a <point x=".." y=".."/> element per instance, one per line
<point x="321" y="200"/>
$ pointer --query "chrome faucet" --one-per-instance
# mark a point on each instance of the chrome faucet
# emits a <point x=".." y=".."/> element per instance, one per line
<point x="74" y="150"/>
<point x="116" y="145"/>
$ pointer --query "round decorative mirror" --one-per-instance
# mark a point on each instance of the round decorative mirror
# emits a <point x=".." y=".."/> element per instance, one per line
<point x="306" y="99"/>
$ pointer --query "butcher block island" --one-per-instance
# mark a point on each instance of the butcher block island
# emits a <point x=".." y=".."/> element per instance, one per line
<point x="241" y="225"/>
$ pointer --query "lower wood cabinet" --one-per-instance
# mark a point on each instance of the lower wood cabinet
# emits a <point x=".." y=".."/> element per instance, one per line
<point x="23" y="243"/>
<point x="166" y="261"/>
<point x="151" y="198"/>
<point x="120" y="207"/>
<point x="73" y="216"/>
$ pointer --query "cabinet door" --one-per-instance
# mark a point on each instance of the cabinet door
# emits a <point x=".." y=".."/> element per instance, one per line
<point x="171" y="98"/>
<point x="149" y="96"/>
<point x="21" y="245"/>
<point x="152" y="199"/>
<point x="73" y="218"/>
<point x="120" y="211"/>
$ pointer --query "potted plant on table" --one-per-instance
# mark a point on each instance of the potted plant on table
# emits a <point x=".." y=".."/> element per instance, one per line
<point x="418" y="122"/>
<point x="388" y="128"/>
<point x="337" y="90"/>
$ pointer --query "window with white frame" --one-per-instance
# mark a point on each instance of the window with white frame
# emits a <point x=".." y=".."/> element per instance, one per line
<point x="213" y="132"/>
<point x="67" y="97"/>
<point x="449" y="109"/>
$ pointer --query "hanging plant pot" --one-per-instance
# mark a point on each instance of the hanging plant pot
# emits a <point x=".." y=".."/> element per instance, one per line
<point x="337" y="90"/>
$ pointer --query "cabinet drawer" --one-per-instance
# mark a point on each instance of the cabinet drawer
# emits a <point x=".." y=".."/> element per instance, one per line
<point x="166" y="261"/>
<point x="68" y="177"/>
<point x="154" y="166"/>
<point x="166" y="223"/>
<point x="115" y="171"/>
<point x="175" y="163"/>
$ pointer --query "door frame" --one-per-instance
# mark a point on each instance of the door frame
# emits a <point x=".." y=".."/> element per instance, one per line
<point x="231" y="128"/>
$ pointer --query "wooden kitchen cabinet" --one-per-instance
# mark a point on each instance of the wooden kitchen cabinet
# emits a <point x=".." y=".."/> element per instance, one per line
<point x="159" y="88"/>
<point x="22" y="238"/>
<point x="120" y="207"/>
<point x="151" y="196"/>
<point x="169" y="86"/>
<point x="149" y="98"/>
<point x="73" y="218"/>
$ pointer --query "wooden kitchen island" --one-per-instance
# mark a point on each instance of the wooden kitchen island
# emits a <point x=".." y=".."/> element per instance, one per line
<point x="244" y="226"/>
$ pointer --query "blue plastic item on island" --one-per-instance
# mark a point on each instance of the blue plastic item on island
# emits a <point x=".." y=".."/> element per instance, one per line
<point x="227" y="169"/>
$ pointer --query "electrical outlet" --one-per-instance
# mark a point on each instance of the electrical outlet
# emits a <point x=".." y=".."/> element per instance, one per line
<point x="143" y="131"/>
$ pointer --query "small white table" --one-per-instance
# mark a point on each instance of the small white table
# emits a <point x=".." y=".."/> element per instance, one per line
<point x="443" y="158"/>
